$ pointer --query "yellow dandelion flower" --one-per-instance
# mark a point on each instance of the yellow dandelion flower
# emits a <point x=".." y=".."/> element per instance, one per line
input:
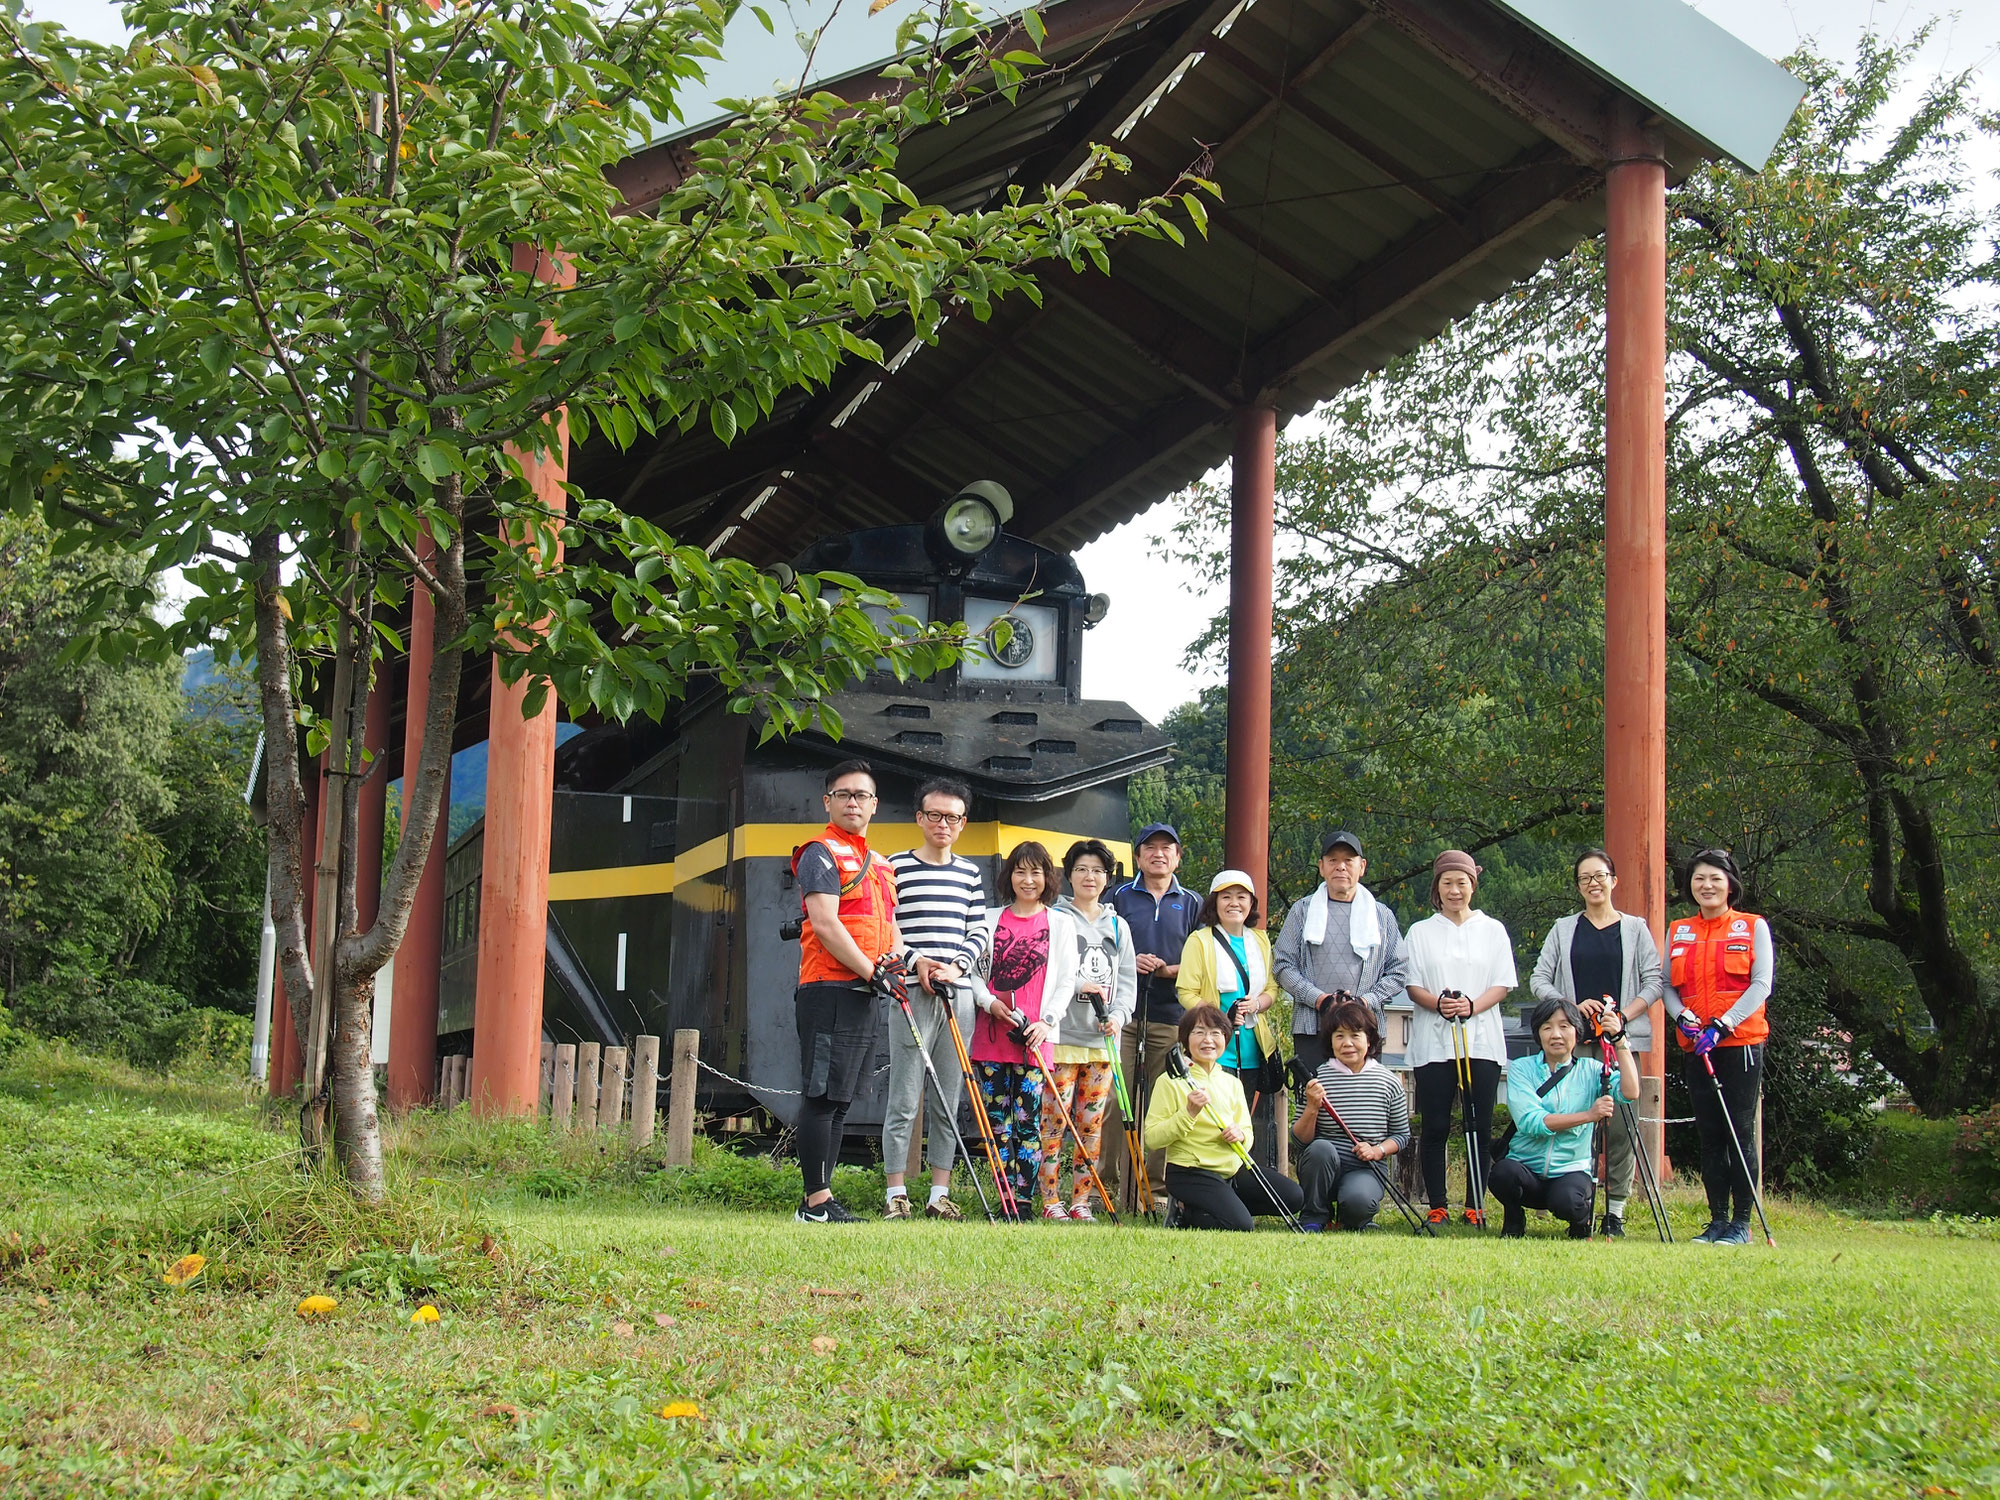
<point x="184" y="1270"/>
<point x="424" y="1314"/>
<point x="676" y="1411"/>
<point x="316" y="1306"/>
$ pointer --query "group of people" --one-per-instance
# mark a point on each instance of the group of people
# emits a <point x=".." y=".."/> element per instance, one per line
<point x="1077" y="999"/>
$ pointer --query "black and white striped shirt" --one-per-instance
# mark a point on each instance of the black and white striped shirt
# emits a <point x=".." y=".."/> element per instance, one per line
<point x="938" y="907"/>
<point x="1372" y="1102"/>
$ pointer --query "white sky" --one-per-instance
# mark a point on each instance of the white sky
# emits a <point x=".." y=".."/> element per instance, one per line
<point x="1157" y="607"/>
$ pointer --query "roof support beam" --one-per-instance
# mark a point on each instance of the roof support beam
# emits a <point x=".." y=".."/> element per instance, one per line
<point x="1191" y="355"/>
<point x="1508" y="62"/>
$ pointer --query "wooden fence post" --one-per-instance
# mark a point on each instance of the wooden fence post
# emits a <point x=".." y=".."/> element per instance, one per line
<point x="457" y="1081"/>
<point x="548" y="1083"/>
<point x="588" y="1058"/>
<point x="611" y="1091"/>
<point x="645" y="1089"/>
<point x="565" y="1094"/>
<point x="1653" y="1135"/>
<point x="680" y="1099"/>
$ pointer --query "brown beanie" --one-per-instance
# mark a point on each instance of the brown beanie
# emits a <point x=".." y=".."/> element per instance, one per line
<point x="1453" y="859"/>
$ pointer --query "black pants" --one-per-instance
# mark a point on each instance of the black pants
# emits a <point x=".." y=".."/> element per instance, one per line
<point x="836" y="1025"/>
<point x="1437" y="1089"/>
<point x="1740" y="1071"/>
<point x="1212" y="1201"/>
<point x="1569" y="1197"/>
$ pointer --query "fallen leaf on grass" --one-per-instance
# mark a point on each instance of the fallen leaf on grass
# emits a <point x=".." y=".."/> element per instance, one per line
<point x="500" y="1409"/>
<point x="41" y="1301"/>
<point x="316" y="1306"/>
<point x="695" y="1302"/>
<point x="621" y="1329"/>
<point x="360" y="1423"/>
<point x="825" y="1345"/>
<point x="666" y="1249"/>
<point x="184" y="1270"/>
<point x="425" y="1314"/>
<point x="827" y="1291"/>
<point x="680" y="1411"/>
<point x="663" y="1320"/>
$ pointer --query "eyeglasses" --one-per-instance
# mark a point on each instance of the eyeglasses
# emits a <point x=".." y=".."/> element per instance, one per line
<point x="942" y="820"/>
<point x="1600" y="879"/>
<point x="849" y="795"/>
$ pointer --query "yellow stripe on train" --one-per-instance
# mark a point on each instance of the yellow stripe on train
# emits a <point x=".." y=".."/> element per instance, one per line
<point x="777" y="840"/>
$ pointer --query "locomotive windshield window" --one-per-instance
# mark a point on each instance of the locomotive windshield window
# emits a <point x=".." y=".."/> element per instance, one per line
<point x="1030" y="653"/>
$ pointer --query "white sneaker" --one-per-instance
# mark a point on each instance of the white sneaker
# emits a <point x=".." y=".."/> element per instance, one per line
<point x="1056" y="1212"/>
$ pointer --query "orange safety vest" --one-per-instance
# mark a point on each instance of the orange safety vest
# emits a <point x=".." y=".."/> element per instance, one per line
<point x="867" y="907"/>
<point x="1708" y="961"/>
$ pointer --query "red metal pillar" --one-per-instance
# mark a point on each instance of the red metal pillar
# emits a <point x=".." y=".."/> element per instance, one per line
<point x="413" y="1018"/>
<point x="520" y="796"/>
<point x="1246" y="838"/>
<point x="1635" y="532"/>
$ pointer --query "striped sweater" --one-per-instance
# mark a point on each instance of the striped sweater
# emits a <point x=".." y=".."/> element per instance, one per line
<point x="939" y="907"/>
<point x="1372" y="1102"/>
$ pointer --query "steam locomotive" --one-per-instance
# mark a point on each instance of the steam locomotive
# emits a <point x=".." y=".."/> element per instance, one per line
<point x="669" y="863"/>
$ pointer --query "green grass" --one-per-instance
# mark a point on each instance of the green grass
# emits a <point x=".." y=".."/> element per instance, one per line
<point x="1859" y="1359"/>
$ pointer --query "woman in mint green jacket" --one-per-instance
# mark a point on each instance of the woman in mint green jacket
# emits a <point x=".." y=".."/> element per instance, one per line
<point x="1557" y="1099"/>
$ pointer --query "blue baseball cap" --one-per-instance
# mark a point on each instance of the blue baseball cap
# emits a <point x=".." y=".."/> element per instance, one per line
<point x="1154" y="830"/>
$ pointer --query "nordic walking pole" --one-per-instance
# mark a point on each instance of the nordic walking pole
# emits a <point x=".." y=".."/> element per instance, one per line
<point x="1133" y="1144"/>
<point x="1403" y="1205"/>
<point x="1648" y="1179"/>
<point x="1475" y="1173"/>
<point x="1756" y="1197"/>
<point x="1177" y="1067"/>
<point x="1069" y="1125"/>
<point x="1009" y="1204"/>
<point x="901" y="995"/>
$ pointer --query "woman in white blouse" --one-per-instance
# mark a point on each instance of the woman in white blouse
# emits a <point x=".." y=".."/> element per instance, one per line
<point x="1461" y="969"/>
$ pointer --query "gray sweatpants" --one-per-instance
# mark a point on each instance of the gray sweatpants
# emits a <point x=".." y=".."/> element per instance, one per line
<point x="907" y="1084"/>
<point x="1336" y="1182"/>
<point x="1621" y="1154"/>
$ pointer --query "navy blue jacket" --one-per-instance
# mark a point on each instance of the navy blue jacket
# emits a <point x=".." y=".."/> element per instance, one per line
<point x="1159" y="927"/>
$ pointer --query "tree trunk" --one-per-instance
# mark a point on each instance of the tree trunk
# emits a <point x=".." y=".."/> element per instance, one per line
<point x="357" y="1127"/>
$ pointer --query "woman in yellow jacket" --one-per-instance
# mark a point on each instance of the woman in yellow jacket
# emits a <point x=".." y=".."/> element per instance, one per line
<point x="1201" y="1121"/>
<point x="1226" y="963"/>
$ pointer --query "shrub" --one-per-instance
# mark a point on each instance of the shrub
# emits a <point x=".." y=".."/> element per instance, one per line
<point x="1975" y="1163"/>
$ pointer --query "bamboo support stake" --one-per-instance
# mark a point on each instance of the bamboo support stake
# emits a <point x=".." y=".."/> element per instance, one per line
<point x="565" y="1089"/>
<point x="589" y="1058"/>
<point x="645" y="1089"/>
<point x="680" y="1099"/>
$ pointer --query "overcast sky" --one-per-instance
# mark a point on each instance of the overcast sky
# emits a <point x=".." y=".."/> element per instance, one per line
<point x="1157" y="609"/>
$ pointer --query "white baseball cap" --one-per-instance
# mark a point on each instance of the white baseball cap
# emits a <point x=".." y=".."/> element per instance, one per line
<point x="1224" y="879"/>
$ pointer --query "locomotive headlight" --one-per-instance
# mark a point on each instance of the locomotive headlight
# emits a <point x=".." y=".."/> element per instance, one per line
<point x="968" y="524"/>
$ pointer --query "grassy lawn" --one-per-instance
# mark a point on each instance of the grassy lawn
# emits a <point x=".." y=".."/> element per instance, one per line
<point x="580" y="1296"/>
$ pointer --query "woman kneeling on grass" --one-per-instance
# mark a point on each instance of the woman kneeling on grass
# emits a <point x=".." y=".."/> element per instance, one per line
<point x="1203" y="1123"/>
<point x="1557" y="1100"/>
<point x="1335" y="1172"/>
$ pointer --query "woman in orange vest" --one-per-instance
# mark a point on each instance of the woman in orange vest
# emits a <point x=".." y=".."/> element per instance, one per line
<point x="1719" y="968"/>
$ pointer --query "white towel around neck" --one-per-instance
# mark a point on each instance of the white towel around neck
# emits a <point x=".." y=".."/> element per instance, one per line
<point x="1364" y="923"/>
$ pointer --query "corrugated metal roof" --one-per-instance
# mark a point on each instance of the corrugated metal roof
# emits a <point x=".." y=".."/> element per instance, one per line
<point x="1385" y="166"/>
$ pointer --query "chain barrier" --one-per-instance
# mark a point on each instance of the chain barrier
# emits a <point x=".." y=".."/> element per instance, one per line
<point x="759" y="1088"/>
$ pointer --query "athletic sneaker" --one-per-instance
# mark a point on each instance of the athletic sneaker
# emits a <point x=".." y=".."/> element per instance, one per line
<point x="1712" y="1235"/>
<point x="943" y="1208"/>
<point x="829" y="1212"/>
<point x="1580" y="1231"/>
<point x="1056" y="1212"/>
<point x="1476" y="1217"/>
<point x="1438" y="1216"/>
<point x="1736" y="1232"/>
<point x="1611" y="1227"/>
<point x="899" y="1207"/>
<point x="1081" y="1213"/>
<point x="1313" y="1226"/>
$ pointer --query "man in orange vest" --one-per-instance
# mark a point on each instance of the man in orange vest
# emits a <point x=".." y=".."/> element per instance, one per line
<point x="849" y="936"/>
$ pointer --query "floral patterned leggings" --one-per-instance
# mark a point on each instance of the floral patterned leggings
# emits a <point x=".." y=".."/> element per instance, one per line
<point x="1086" y="1089"/>
<point x="1013" y="1096"/>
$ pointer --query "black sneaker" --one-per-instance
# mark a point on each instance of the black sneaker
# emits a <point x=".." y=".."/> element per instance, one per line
<point x="829" y="1212"/>
<point x="1611" y="1227"/>
<point x="1580" y="1231"/>
<point x="1513" y="1223"/>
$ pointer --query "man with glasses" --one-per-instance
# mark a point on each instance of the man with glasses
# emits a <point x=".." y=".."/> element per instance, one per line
<point x="1595" y="959"/>
<point x="940" y="899"/>
<point x="850" y="929"/>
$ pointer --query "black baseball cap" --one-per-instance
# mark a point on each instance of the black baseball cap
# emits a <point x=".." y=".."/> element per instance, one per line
<point x="1327" y="844"/>
<point x="1153" y="830"/>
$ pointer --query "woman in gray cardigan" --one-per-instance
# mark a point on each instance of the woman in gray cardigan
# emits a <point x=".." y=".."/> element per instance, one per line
<point x="1598" y="954"/>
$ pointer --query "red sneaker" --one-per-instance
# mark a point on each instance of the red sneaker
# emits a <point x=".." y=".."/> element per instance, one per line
<point x="1475" y="1217"/>
<point x="1439" y="1216"/>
